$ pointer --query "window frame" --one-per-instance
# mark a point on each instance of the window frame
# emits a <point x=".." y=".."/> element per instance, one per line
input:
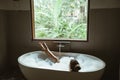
<point x="69" y="40"/>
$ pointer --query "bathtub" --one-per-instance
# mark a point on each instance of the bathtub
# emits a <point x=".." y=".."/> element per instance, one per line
<point x="34" y="73"/>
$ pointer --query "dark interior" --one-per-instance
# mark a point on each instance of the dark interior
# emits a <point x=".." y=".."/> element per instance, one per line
<point x="103" y="41"/>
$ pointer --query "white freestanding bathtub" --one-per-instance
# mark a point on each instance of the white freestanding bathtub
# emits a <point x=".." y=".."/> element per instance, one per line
<point x="35" y="72"/>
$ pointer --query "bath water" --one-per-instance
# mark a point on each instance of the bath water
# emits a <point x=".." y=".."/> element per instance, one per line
<point x="87" y="63"/>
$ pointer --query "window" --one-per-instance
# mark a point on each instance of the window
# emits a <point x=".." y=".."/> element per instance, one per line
<point x="65" y="20"/>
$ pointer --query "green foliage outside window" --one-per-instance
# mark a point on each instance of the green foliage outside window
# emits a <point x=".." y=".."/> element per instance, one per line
<point x="60" y="19"/>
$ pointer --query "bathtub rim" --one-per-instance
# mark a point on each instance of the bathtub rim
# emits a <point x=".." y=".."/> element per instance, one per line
<point x="20" y="63"/>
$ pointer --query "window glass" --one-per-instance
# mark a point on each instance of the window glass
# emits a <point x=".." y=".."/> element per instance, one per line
<point x="60" y="19"/>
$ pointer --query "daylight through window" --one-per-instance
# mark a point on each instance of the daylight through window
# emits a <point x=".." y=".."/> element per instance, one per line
<point x="60" y="19"/>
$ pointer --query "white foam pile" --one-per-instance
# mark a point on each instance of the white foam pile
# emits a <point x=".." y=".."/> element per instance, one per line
<point x="87" y="63"/>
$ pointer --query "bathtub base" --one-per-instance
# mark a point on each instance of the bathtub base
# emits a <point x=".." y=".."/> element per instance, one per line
<point x="43" y="74"/>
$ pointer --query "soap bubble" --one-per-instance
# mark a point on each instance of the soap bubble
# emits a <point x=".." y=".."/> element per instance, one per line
<point x="87" y="63"/>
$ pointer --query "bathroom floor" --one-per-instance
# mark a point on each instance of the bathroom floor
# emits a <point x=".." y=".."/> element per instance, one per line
<point x="12" y="75"/>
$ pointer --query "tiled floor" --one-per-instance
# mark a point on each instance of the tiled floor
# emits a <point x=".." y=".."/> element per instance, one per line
<point x="12" y="75"/>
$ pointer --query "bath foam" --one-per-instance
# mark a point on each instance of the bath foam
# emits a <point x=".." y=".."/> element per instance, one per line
<point x="87" y="63"/>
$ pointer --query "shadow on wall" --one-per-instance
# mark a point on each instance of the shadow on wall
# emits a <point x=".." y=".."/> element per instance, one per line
<point x="3" y="49"/>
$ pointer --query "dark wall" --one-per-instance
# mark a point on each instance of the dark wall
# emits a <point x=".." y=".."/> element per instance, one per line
<point x="104" y="39"/>
<point x="3" y="49"/>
